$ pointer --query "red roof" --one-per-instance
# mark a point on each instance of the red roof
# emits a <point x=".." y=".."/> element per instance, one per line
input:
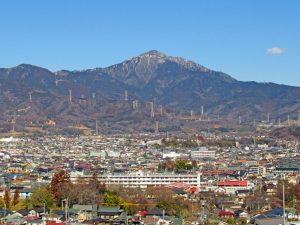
<point x="224" y="213"/>
<point x="54" y="167"/>
<point x="30" y="217"/>
<point x="192" y="190"/>
<point x="143" y="213"/>
<point x="233" y="183"/>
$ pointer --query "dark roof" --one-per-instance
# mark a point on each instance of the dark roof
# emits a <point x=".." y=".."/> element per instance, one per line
<point x="39" y="209"/>
<point x="243" y="191"/>
<point x="58" y="212"/>
<point x="85" y="207"/>
<point x="276" y="212"/>
<point x="238" y="212"/>
<point x="155" y="212"/>
<point x="2" y="212"/>
<point x="109" y="209"/>
<point x="178" y="191"/>
<point x="24" y="212"/>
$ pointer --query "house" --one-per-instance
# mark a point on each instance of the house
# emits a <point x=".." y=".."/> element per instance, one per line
<point x="25" y="193"/>
<point x="93" y="221"/>
<point x="294" y="213"/>
<point x="220" y="190"/>
<point x="24" y="212"/>
<point x="37" y="221"/>
<point x="232" y="186"/>
<point x="179" y="192"/>
<point x="243" y="193"/>
<point x="15" y="218"/>
<point x="225" y="214"/>
<point x="272" y="217"/>
<point x="112" y="214"/>
<point x="270" y="189"/>
<point x="155" y="212"/>
<point x="39" y="211"/>
<point x="53" y="218"/>
<point x="269" y="221"/>
<point x="85" y="212"/>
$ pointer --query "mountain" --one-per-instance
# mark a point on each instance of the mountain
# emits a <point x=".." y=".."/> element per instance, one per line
<point x="179" y="85"/>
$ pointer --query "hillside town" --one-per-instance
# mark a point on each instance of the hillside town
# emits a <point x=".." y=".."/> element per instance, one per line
<point x="223" y="178"/>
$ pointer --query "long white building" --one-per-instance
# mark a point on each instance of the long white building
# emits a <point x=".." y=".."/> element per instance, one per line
<point x="203" y="152"/>
<point x="144" y="180"/>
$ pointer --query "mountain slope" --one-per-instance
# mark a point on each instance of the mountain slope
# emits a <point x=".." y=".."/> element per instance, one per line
<point x="178" y="84"/>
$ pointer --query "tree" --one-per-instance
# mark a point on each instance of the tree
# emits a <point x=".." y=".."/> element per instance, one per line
<point x="112" y="199"/>
<point x="132" y="195"/>
<point x="297" y="192"/>
<point x="1" y="203"/>
<point x="183" y="164"/>
<point x="230" y="221"/>
<point x="60" y="185"/>
<point x="7" y="198"/>
<point x="94" y="182"/>
<point x="83" y="193"/>
<point x="16" y="197"/>
<point x="22" y="204"/>
<point x="241" y="221"/>
<point x="41" y="196"/>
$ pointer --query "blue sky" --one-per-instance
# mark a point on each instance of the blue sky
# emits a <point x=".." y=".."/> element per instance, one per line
<point x="248" y="39"/>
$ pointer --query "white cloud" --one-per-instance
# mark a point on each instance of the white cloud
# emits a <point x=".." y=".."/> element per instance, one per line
<point x="275" y="51"/>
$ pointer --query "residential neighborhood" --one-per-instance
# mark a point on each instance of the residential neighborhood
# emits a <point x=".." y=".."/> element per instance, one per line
<point x="148" y="179"/>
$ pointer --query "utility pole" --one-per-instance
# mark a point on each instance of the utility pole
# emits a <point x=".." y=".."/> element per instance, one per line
<point x="30" y="96"/>
<point x="70" y="96"/>
<point x="240" y="120"/>
<point x="126" y="95"/>
<point x="152" y="110"/>
<point x="97" y="131"/>
<point x="156" y="127"/>
<point x="202" y="206"/>
<point x="66" y="209"/>
<point x="283" y="200"/>
<point x="135" y="104"/>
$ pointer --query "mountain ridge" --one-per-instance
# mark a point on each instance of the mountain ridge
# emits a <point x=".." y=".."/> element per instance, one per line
<point x="175" y="83"/>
